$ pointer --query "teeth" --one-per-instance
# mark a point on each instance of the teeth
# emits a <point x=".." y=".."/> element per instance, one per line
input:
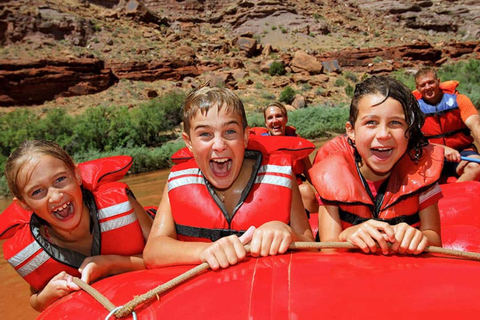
<point x="61" y="208"/>
<point x="220" y="160"/>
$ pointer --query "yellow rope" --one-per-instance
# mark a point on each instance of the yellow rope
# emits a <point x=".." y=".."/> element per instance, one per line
<point x="128" y="308"/>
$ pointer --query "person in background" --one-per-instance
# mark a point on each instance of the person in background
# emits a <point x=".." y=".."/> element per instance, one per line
<point x="379" y="183"/>
<point x="451" y="121"/>
<point x="276" y="118"/>
<point x="229" y="189"/>
<point x="67" y="222"/>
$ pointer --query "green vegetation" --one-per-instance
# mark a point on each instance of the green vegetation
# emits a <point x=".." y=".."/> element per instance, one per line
<point x="277" y="68"/>
<point x="287" y="95"/>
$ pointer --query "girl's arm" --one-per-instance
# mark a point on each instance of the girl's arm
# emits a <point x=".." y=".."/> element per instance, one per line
<point x="307" y="164"/>
<point x="164" y="249"/>
<point x="143" y="218"/>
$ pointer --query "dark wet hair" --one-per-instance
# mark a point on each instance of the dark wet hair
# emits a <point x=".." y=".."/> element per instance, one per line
<point x="24" y="153"/>
<point x="205" y="98"/>
<point x="389" y="87"/>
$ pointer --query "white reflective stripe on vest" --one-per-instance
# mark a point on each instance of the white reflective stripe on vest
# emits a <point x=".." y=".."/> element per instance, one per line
<point x="118" y="222"/>
<point x="267" y="174"/>
<point x="194" y="171"/>
<point x="180" y="182"/>
<point x="271" y="168"/>
<point x="113" y="211"/>
<point x="24" y="255"/>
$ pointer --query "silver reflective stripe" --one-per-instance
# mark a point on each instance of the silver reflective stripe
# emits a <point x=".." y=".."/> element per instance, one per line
<point x="33" y="264"/>
<point x="174" y="174"/>
<point x="23" y="255"/>
<point x="118" y="222"/>
<point x="114" y="210"/>
<point x="276" y="180"/>
<point x="180" y="182"/>
<point x="271" y="168"/>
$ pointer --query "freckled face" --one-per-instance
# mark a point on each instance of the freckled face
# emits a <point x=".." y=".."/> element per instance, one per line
<point x="218" y="143"/>
<point x="429" y="87"/>
<point x="52" y="191"/>
<point x="275" y="121"/>
<point x="379" y="135"/>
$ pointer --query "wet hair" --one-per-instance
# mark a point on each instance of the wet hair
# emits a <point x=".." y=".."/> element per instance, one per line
<point x="205" y="98"/>
<point x="277" y="104"/>
<point x="24" y="153"/>
<point x="389" y="87"/>
<point x="424" y="71"/>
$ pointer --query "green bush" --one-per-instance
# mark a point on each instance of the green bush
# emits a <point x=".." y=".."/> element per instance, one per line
<point x="287" y="95"/>
<point x="277" y="68"/>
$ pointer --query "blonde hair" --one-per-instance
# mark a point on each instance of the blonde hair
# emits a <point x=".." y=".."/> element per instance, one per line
<point x="24" y="153"/>
<point x="205" y="98"/>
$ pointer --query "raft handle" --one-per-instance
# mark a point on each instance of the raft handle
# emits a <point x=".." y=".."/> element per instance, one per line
<point x="134" y="315"/>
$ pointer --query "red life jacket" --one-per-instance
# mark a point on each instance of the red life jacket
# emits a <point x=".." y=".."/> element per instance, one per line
<point x="398" y="202"/>
<point x="200" y="216"/>
<point x="443" y="122"/>
<point x="291" y="132"/>
<point x="116" y="229"/>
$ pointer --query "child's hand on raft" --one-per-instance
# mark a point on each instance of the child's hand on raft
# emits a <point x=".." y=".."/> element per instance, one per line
<point x="58" y="287"/>
<point x="96" y="267"/>
<point x="271" y="238"/>
<point x="227" y="250"/>
<point x="369" y="234"/>
<point x="408" y="239"/>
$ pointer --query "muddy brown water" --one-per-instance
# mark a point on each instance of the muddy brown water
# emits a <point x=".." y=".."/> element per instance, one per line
<point x="15" y="292"/>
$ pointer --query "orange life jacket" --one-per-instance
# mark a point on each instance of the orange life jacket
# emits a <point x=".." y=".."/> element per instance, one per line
<point x="398" y="202"/>
<point x="199" y="214"/>
<point x="116" y="229"/>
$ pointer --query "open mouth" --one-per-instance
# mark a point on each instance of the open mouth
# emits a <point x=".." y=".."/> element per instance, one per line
<point x="382" y="153"/>
<point x="63" y="212"/>
<point x="221" y="166"/>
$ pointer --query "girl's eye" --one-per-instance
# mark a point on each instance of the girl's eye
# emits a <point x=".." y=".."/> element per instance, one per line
<point x="371" y="123"/>
<point x="37" y="193"/>
<point x="230" y="132"/>
<point x="60" y="179"/>
<point x="204" y="134"/>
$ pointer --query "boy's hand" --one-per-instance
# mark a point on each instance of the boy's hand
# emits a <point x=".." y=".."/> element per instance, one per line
<point x="408" y="239"/>
<point x="368" y="234"/>
<point x="96" y="267"/>
<point x="271" y="238"/>
<point x="227" y="251"/>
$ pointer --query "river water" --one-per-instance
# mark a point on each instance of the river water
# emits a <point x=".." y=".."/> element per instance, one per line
<point x="15" y="292"/>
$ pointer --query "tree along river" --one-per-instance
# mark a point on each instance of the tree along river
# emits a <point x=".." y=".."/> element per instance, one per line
<point x="15" y="292"/>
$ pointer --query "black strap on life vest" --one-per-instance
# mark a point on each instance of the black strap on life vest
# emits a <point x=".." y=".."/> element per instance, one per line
<point x="465" y="131"/>
<point x="355" y="220"/>
<point x="212" y="234"/>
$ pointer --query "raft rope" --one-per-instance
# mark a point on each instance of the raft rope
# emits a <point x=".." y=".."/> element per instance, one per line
<point x="128" y="308"/>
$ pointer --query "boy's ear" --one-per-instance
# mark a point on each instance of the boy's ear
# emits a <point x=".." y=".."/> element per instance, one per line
<point x="187" y="140"/>
<point x="349" y="130"/>
<point x="246" y="135"/>
<point x="22" y="204"/>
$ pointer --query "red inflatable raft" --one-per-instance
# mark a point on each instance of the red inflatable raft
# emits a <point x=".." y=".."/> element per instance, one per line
<point x="314" y="285"/>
